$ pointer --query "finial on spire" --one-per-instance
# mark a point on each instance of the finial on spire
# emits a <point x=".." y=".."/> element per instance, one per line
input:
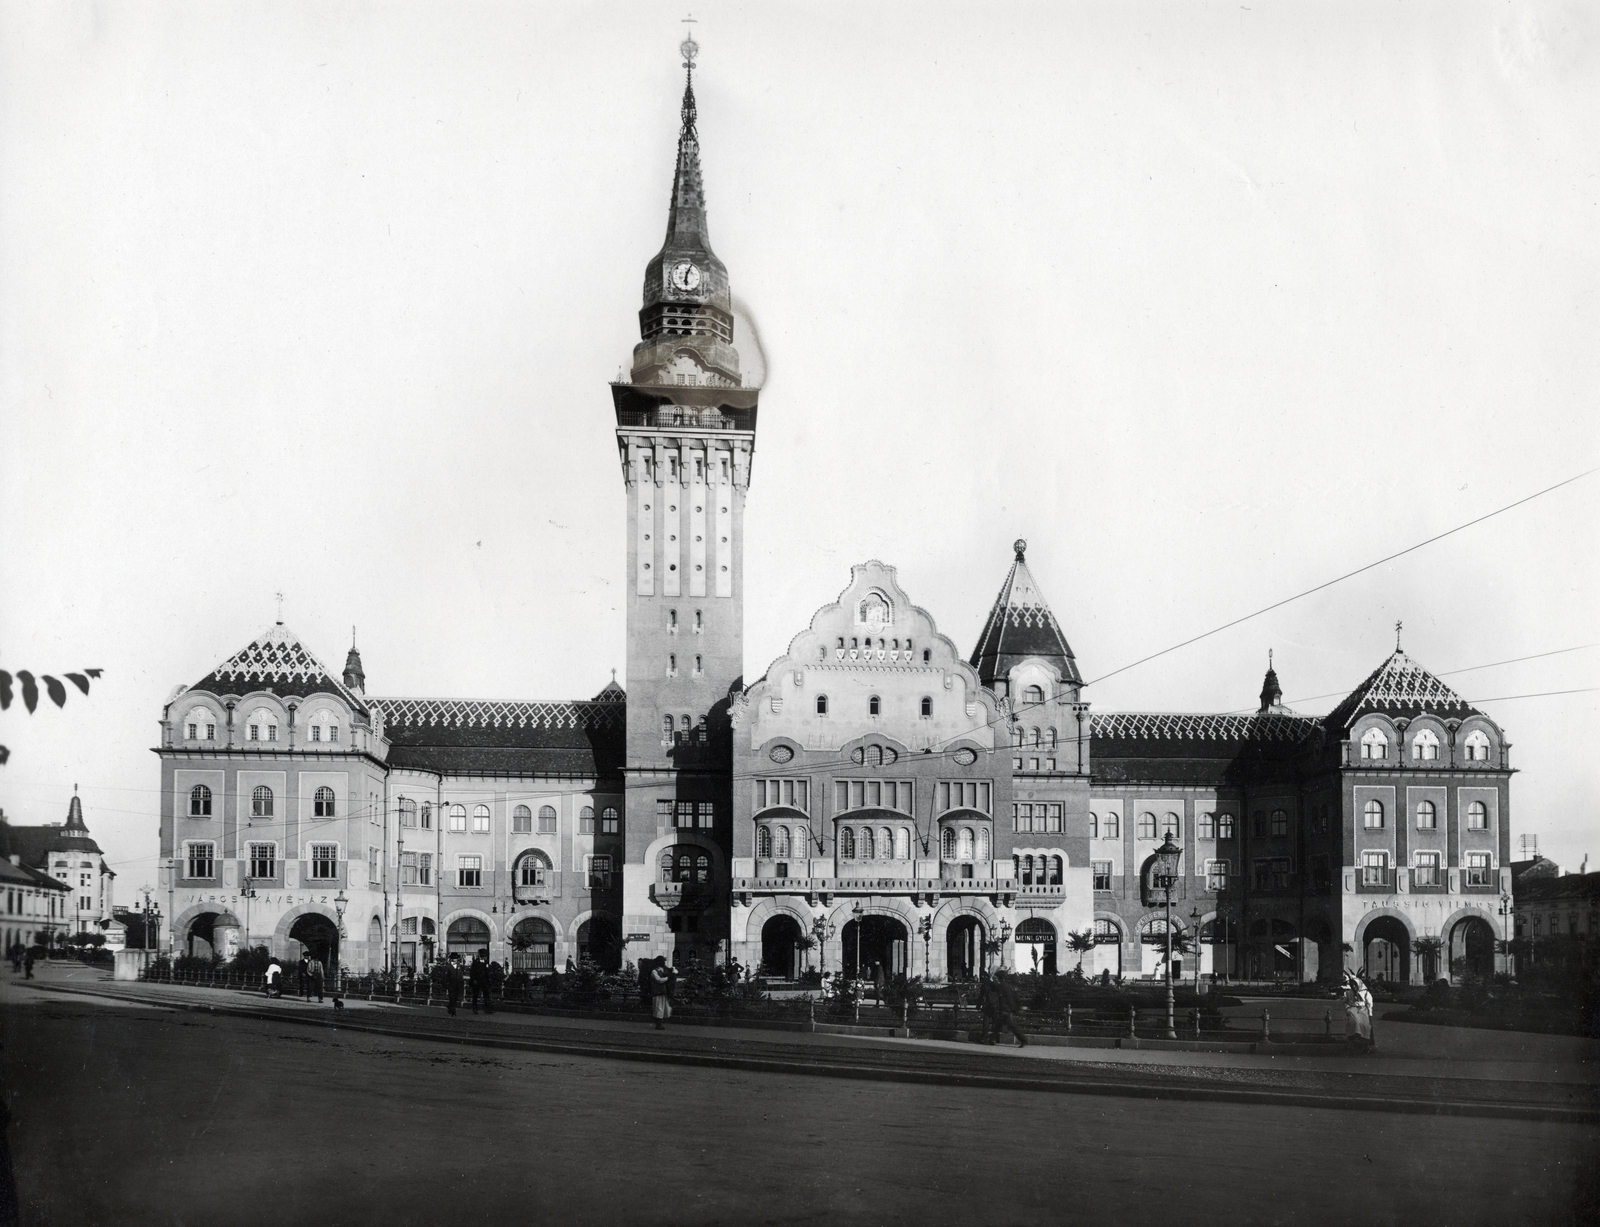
<point x="352" y="635"/>
<point x="279" y="597"/>
<point x="1269" y="659"/>
<point x="690" y="49"/>
<point x="1397" y="627"/>
<point x="613" y="675"/>
<point x="688" y="46"/>
<point x="1021" y="548"/>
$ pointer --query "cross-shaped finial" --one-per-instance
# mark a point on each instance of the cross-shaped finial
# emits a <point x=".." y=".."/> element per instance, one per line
<point x="688" y="46"/>
<point x="1397" y="627"/>
<point x="279" y="598"/>
<point x="1269" y="658"/>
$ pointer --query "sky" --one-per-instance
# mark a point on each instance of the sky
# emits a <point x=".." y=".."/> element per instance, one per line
<point x="1210" y="303"/>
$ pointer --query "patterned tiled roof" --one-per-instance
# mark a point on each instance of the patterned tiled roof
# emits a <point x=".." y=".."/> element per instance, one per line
<point x="1400" y="687"/>
<point x="605" y="713"/>
<point x="276" y="661"/>
<point x="1021" y="625"/>
<point x="1201" y="727"/>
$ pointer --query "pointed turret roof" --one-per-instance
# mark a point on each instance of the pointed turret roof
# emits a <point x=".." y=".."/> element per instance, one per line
<point x="1400" y="687"/>
<point x="1272" y="693"/>
<point x="75" y="822"/>
<point x="1021" y="625"/>
<point x="277" y="661"/>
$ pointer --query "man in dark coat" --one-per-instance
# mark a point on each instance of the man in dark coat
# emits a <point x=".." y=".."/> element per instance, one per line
<point x="304" y="968"/>
<point x="1004" y="1007"/>
<point x="478" y="978"/>
<point x="27" y="964"/>
<point x="454" y="982"/>
<point x="314" y="982"/>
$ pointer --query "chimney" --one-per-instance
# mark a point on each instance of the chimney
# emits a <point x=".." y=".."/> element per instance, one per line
<point x="16" y="858"/>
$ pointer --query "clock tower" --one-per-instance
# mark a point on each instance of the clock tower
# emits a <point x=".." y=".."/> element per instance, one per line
<point x="685" y="434"/>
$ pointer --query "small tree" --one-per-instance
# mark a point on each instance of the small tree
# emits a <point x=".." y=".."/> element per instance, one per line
<point x="1428" y="950"/>
<point x="1080" y="943"/>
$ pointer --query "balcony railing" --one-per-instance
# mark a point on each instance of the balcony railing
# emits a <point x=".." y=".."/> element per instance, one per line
<point x="677" y="417"/>
<point x="1007" y="887"/>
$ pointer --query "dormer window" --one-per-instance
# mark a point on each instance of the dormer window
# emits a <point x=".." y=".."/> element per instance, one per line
<point x="1425" y="746"/>
<point x="1374" y="745"/>
<point x="1477" y="747"/>
<point x="1033" y="694"/>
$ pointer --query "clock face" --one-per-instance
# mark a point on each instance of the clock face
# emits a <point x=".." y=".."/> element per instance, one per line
<point x="685" y="276"/>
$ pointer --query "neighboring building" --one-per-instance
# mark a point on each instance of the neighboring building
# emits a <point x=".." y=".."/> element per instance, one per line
<point x="67" y="854"/>
<point x="921" y="810"/>
<point x="1557" y="915"/>
<point x="36" y="905"/>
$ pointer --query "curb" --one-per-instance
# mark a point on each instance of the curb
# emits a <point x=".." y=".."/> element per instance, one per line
<point x="1085" y="1086"/>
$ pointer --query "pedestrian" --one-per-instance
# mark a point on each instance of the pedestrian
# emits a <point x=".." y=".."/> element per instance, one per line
<point x="660" y="994"/>
<point x="1358" y="1013"/>
<point x="1005" y="1007"/>
<point x="304" y="970"/>
<point x="478" y="981"/>
<point x="273" y="985"/>
<point x="497" y="981"/>
<point x="314" y="974"/>
<point x="16" y="957"/>
<point x="986" y="1004"/>
<point x="27" y="962"/>
<point x="454" y="983"/>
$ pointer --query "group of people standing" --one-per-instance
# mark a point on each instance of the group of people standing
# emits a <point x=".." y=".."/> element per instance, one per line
<point x="21" y="959"/>
<point x="486" y="979"/>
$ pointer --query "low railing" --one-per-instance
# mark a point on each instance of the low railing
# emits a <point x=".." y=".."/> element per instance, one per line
<point x="680" y="418"/>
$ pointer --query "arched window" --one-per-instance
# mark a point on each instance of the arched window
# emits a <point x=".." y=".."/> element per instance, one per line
<point x="927" y="707"/>
<point x="408" y="812"/>
<point x="547" y="820"/>
<point x="1477" y="816"/>
<point x="927" y="656"/>
<point x="1374" y="744"/>
<point x="666" y="728"/>
<point x="847" y="843"/>
<point x="586" y="820"/>
<point x="199" y="801"/>
<point x="1022" y="867"/>
<point x="532" y="867"/>
<point x="458" y="817"/>
<point x="702" y="868"/>
<point x="1033" y="694"/>
<point x="1147" y="826"/>
<point x="322" y="805"/>
<point x="1038" y="738"/>
<point x="1017" y="737"/>
<point x="783" y="842"/>
<point x="983" y="843"/>
<point x="1372" y="815"/>
<point x="261" y="802"/>
<point x="902" y="844"/>
<point x="1427" y="816"/>
<point x="874" y="705"/>
<point x="1207" y="827"/>
<point x="1224" y="826"/>
<point x="885" y="844"/>
<point x="683" y="723"/>
<point x="763" y="844"/>
<point x="964" y="849"/>
<point x="1173" y="826"/>
<point x="1477" y="746"/>
<point x="427" y="815"/>
<point x="480" y="819"/>
<point x="1094" y="825"/>
<point x="1052" y="739"/>
<point x="608" y="821"/>
<point x="868" y="844"/>
<point x="1425" y="746"/>
<point x="522" y="821"/>
<point x="947" y="843"/>
<point x="1055" y="871"/>
<point x="1106" y="933"/>
<point x="822" y="705"/>
<point x="666" y="867"/>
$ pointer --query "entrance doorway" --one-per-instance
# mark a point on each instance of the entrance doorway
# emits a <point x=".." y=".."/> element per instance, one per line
<point x="1036" y="947"/>
<point x="320" y="938"/>
<point x="212" y="935"/>
<point x="600" y="941"/>
<point x="1472" y="947"/>
<point x="533" y="947"/>
<point x="1387" y="951"/>
<point x="874" y="940"/>
<point x="780" y="956"/>
<point x="466" y="937"/>
<point x="963" y="948"/>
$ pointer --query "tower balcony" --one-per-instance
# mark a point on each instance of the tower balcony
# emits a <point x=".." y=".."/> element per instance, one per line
<point x="1002" y="892"/>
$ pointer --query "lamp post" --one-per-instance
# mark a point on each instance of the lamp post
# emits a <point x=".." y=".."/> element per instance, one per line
<point x="1194" y="927"/>
<point x="247" y="894"/>
<point x="925" y="927"/>
<point x="1507" y="905"/>
<point x="1163" y="876"/>
<point x="1005" y="936"/>
<point x="340" y="902"/>
<point x="823" y="930"/>
<point x="856" y="911"/>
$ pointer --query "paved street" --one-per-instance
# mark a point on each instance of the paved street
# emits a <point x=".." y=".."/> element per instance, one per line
<point x="131" y="1114"/>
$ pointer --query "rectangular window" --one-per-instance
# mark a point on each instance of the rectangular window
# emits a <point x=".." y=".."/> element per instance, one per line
<point x="408" y="870"/>
<point x="255" y="732"/>
<point x="1102" y="875"/>
<point x="1477" y="869"/>
<point x="1280" y="823"/>
<point x="706" y="812"/>
<point x="272" y="732"/>
<point x="325" y="862"/>
<point x="374" y="866"/>
<point x="664" y="810"/>
<point x="211" y="732"/>
<point x="427" y="817"/>
<point x="1217" y="876"/>
<point x="1280" y="873"/>
<point x="469" y="871"/>
<point x="1427" y="869"/>
<point x="202" y="860"/>
<point x="194" y="732"/>
<point x="685" y="815"/>
<point x="858" y="793"/>
<point x="263" y="860"/>
<point x="316" y="732"/>
<point x="608" y="821"/>
<point x="425" y="869"/>
<point x="599" y="873"/>
<point x="1374" y="868"/>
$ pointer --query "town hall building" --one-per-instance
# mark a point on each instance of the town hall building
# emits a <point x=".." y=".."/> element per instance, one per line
<point x="880" y="795"/>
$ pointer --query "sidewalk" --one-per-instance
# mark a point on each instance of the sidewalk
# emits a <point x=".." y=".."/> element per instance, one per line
<point x="1504" y="1074"/>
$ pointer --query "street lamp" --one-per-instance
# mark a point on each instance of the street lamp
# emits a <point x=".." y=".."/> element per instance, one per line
<point x="857" y="911"/>
<point x="1163" y="876"/>
<point x="925" y="927"/>
<point x="340" y="902"/>
<point x="823" y="930"/>
<point x="1194" y="928"/>
<point x="1005" y="936"/>
<point x="247" y="894"/>
<point x="1507" y="905"/>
